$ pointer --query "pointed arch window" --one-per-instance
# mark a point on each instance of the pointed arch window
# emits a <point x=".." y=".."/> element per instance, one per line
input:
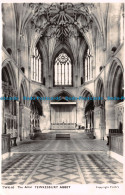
<point x="88" y="66"/>
<point x="36" y="66"/>
<point x="63" y="70"/>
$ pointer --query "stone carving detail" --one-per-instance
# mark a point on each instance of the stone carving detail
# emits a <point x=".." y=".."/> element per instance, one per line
<point x="62" y="17"/>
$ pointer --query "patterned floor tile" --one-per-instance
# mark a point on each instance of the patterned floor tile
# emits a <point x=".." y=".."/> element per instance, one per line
<point x="103" y="172"/>
<point x="61" y="169"/>
<point x="55" y="167"/>
<point x="59" y="174"/>
<point x="18" y="173"/>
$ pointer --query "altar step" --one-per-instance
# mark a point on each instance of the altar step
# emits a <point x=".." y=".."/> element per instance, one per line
<point x="64" y="131"/>
<point x="51" y="134"/>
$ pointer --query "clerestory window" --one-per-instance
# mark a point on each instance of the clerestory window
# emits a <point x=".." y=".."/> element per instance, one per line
<point x="88" y="66"/>
<point x="36" y="66"/>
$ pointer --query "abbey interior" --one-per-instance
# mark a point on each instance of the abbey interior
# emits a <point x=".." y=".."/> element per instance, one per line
<point x="63" y="64"/>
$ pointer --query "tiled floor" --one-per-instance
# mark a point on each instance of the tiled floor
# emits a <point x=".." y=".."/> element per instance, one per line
<point x="78" y="142"/>
<point x="74" y="161"/>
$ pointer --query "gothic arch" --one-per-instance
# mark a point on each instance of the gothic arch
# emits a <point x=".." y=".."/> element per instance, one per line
<point x="99" y="91"/>
<point x="37" y="103"/>
<point x="40" y="92"/>
<point x="23" y="92"/>
<point x="63" y="94"/>
<point x="8" y="74"/>
<point x="62" y="48"/>
<point x="88" y="112"/>
<point x="9" y="86"/>
<point x="86" y="91"/>
<point x="115" y="79"/>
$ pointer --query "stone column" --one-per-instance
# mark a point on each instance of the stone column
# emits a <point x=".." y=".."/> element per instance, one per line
<point x="26" y="121"/>
<point x="29" y="64"/>
<point x="84" y="118"/>
<point x="97" y="125"/>
<point x="31" y="121"/>
<point x="18" y="116"/>
<point x="34" y="121"/>
<point x="45" y="118"/>
<point x="11" y="116"/>
<point x="103" y="127"/>
<point x="91" y="123"/>
<point x="50" y="81"/>
<point x="13" y="130"/>
<point x="80" y="113"/>
<point x="110" y="115"/>
<point x="20" y="121"/>
<point x="3" y="117"/>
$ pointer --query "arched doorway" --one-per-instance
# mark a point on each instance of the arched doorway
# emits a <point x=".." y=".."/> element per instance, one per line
<point x="88" y="110"/>
<point x="36" y="112"/>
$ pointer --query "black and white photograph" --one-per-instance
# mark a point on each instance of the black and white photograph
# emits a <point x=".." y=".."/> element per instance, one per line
<point x="62" y="96"/>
